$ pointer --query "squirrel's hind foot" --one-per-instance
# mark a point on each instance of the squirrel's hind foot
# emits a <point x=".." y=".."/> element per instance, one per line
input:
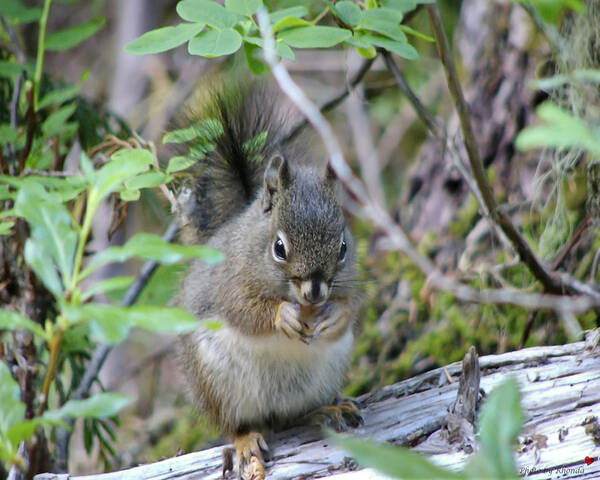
<point x="249" y="448"/>
<point x="341" y="416"/>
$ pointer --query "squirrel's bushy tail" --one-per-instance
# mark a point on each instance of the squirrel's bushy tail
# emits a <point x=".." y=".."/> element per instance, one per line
<point x="241" y="126"/>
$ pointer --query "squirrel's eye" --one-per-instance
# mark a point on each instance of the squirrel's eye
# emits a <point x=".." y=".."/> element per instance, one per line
<point x="343" y="249"/>
<point x="279" y="249"/>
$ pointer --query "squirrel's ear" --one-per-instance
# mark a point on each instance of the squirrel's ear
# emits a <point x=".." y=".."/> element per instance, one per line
<point x="277" y="178"/>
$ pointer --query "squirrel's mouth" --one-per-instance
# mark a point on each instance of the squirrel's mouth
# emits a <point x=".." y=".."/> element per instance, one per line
<point x="310" y="292"/>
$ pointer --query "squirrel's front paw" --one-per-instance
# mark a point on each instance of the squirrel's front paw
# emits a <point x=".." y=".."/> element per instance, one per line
<point x="288" y="321"/>
<point x="249" y="448"/>
<point x="331" y="323"/>
<point x="341" y="416"/>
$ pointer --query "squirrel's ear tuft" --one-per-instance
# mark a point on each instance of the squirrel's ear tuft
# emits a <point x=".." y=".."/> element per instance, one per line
<point x="277" y="178"/>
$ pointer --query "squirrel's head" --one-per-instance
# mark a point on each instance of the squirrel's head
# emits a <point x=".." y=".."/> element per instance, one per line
<point x="310" y="245"/>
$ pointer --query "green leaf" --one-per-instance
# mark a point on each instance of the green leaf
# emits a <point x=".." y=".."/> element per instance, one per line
<point x="396" y="462"/>
<point x="7" y="133"/>
<point x="163" y="39"/>
<point x="24" y="430"/>
<point x="314" y="36"/>
<point x="348" y="12"/>
<point x="10" y="212"/>
<point x="124" y="164"/>
<point x="551" y="10"/>
<point x="5" y="193"/>
<point x="152" y="247"/>
<point x="581" y="76"/>
<point x="70" y="37"/>
<point x="111" y="324"/>
<point x="255" y="64"/>
<point x="56" y="123"/>
<point x="214" y="43"/>
<point x="52" y="235"/>
<point x="288" y="22"/>
<point x="355" y="41"/>
<point x="562" y="130"/>
<point x="382" y="15"/>
<point x="243" y="7"/>
<point x="147" y="180"/>
<point x="57" y="97"/>
<point x="254" y="41"/>
<point x="161" y="319"/>
<point x="404" y="6"/>
<point x="87" y="167"/>
<point x="284" y="50"/>
<point x="161" y="288"/>
<point x="402" y="49"/>
<point x="16" y="12"/>
<point x="10" y="69"/>
<point x="6" y="228"/>
<point x="129" y="195"/>
<point x="13" y="408"/>
<point x="299" y="11"/>
<point x="110" y="285"/>
<point x="36" y="258"/>
<point x="383" y="20"/>
<point x="13" y="321"/>
<point x="179" y="163"/>
<point x="101" y="405"/>
<point x="205" y="11"/>
<point x="500" y="422"/>
<point x="369" y="52"/>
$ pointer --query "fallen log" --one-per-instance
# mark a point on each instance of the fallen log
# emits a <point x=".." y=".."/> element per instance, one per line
<point x="560" y="388"/>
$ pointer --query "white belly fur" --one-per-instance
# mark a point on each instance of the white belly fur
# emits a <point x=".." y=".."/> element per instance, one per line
<point x="273" y="375"/>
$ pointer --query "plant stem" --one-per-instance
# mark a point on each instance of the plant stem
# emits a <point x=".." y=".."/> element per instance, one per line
<point x="90" y="211"/>
<point x="54" y="346"/>
<point x="39" y="63"/>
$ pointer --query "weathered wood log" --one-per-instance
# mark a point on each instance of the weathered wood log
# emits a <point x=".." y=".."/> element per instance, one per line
<point x="561" y="398"/>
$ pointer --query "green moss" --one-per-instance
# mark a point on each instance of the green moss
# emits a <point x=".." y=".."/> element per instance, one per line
<point x="186" y="435"/>
<point x="466" y="218"/>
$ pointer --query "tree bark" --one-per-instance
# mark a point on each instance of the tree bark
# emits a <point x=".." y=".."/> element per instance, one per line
<point x="560" y="388"/>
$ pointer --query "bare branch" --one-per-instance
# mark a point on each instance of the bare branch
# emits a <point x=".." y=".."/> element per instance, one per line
<point x="362" y="139"/>
<point x="424" y="114"/>
<point x="335" y="100"/>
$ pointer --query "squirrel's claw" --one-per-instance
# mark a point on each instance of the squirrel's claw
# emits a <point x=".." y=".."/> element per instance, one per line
<point x="287" y="321"/>
<point x="341" y="416"/>
<point x="249" y="448"/>
<point x="332" y="325"/>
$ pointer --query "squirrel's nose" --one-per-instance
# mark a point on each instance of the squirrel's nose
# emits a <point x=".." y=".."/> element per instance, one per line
<point x="314" y="291"/>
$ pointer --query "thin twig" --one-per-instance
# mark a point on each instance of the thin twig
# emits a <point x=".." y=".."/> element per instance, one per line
<point x="424" y="114"/>
<point x="335" y="100"/>
<point x="594" y="268"/>
<point x="396" y="238"/>
<point x="362" y="139"/>
<point x="14" y="38"/>
<point x="582" y="227"/>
